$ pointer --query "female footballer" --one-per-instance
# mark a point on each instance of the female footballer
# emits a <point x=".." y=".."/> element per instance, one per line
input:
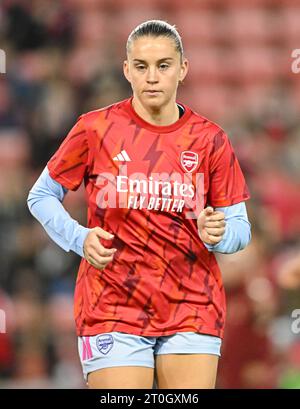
<point x="164" y="192"/>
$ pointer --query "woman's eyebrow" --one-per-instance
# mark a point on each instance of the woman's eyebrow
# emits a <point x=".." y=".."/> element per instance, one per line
<point x="161" y="60"/>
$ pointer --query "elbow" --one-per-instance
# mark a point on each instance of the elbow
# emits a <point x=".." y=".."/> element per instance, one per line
<point x="245" y="240"/>
<point x="32" y="198"/>
<point x="241" y="237"/>
<point x="30" y="201"/>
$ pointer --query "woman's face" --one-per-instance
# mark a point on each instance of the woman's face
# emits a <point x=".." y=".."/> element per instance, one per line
<point x="154" y="69"/>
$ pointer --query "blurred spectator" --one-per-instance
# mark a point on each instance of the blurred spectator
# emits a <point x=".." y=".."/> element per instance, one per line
<point x="64" y="57"/>
<point x="288" y="276"/>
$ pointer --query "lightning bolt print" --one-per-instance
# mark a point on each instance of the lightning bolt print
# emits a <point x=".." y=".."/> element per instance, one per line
<point x="73" y="160"/>
<point x="153" y="155"/>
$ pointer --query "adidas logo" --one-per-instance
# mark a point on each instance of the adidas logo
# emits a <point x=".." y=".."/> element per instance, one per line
<point x="122" y="156"/>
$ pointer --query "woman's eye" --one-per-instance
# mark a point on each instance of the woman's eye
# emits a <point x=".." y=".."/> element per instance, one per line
<point x="163" y="66"/>
<point x="140" y="67"/>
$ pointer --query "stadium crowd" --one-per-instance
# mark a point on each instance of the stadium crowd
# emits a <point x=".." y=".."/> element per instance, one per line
<point x="65" y="58"/>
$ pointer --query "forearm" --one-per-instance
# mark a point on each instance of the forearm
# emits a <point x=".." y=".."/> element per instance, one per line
<point x="44" y="202"/>
<point x="237" y="231"/>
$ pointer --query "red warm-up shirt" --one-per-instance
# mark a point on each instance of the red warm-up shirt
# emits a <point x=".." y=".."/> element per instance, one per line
<point x="147" y="184"/>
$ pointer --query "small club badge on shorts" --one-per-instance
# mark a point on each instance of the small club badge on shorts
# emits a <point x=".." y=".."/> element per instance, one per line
<point x="189" y="161"/>
<point x="104" y="343"/>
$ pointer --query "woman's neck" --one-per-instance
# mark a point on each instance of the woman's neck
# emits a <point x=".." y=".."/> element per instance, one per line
<point x="164" y="116"/>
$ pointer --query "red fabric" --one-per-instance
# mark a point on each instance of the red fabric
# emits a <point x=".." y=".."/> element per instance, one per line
<point x="162" y="280"/>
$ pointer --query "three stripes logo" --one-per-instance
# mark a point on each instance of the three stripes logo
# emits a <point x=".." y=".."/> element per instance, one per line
<point x="86" y="348"/>
<point x="122" y="156"/>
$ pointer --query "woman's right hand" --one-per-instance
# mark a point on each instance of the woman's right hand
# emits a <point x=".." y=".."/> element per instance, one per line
<point x="94" y="252"/>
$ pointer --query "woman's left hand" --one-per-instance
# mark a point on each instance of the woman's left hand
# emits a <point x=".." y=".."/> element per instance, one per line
<point x="211" y="225"/>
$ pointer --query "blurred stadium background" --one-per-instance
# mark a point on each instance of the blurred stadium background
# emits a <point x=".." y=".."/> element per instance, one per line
<point x="64" y="57"/>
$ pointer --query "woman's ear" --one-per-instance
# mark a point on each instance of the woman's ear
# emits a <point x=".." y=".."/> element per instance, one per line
<point x="126" y="70"/>
<point x="183" y="70"/>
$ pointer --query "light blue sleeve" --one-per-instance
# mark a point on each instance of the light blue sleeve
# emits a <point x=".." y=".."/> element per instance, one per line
<point x="237" y="231"/>
<point x="44" y="202"/>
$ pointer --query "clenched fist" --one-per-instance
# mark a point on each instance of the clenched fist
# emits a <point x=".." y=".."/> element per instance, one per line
<point x="211" y="225"/>
<point x="96" y="254"/>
